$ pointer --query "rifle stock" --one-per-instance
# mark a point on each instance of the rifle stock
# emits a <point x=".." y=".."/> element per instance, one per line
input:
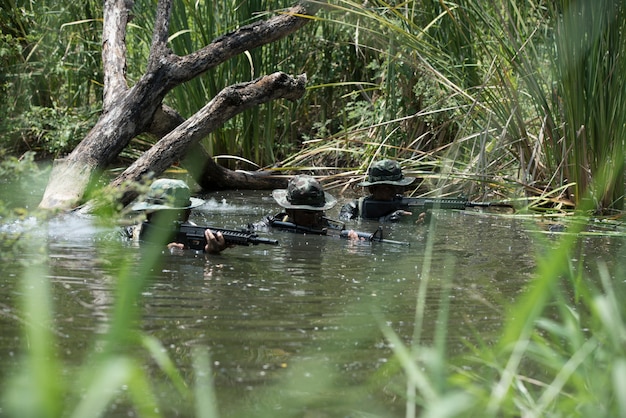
<point x="342" y="233"/>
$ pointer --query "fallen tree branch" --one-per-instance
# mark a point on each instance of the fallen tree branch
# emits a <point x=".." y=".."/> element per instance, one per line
<point x="228" y="103"/>
<point x="129" y="112"/>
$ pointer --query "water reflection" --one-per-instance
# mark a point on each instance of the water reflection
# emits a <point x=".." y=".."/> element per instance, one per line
<point x="265" y="310"/>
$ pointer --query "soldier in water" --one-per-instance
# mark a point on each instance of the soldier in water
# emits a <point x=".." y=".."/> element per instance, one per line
<point x="386" y="184"/>
<point x="168" y="205"/>
<point x="305" y="204"/>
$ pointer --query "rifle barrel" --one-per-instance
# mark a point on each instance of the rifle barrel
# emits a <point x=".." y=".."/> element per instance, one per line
<point x="260" y="240"/>
<point x="431" y="203"/>
<point x="451" y="203"/>
<point x="491" y="205"/>
<point x="343" y="233"/>
<point x="373" y="236"/>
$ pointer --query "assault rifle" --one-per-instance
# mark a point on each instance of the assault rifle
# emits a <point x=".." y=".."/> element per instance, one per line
<point x="451" y="203"/>
<point x="378" y="208"/>
<point x="192" y="236"/>
<point x="336" y="231"/>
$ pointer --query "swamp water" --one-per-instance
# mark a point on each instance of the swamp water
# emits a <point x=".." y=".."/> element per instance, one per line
<point x="306" y="310"/>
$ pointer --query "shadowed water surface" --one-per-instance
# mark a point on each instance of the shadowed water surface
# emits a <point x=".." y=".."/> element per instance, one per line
<point x="305" y="309"/>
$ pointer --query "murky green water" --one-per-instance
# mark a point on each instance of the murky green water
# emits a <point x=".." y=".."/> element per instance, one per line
<point x="264" y="311"/>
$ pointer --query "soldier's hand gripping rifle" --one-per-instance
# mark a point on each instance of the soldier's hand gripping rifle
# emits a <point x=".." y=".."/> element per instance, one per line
<point x="192" y="236"/>
<point x="336" y="229"/>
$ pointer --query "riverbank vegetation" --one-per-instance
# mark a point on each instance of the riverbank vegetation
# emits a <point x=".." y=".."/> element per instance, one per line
<point x="515" y="100"/>
<point x="512" y="100"/>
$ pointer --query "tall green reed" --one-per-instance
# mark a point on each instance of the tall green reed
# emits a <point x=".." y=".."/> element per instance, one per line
<point x="560" y="350"/>
<point x="424" y="64"/>
<point x="590" y="45"/>
<point x="262" y="134"/>
<point x="116" y="368"/>
<point x="51" y="64"/>
<point x="518" y="94"/>
<point x="552" y="90"/>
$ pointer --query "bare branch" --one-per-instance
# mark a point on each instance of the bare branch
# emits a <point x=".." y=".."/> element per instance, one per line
<point x="116" y="14"/>
<point x="228" y="103"/>
<point x="129" y="112"/>
<point x="234" y="43"/>
<point x="160" y="35"/>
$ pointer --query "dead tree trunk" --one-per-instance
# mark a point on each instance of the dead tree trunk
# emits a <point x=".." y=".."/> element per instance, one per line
<point x="128" y="112"/>
<point x="229" y="102"/>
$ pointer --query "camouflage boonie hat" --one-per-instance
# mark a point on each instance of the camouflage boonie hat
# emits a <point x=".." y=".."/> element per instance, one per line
<point x="168" y="194"/>
<point x="304" y="192"/>
<point x="386" y="172"/>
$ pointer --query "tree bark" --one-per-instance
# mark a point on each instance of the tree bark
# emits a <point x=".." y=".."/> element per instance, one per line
<point x="229" y="102"/>
<point x="128" y="112"/>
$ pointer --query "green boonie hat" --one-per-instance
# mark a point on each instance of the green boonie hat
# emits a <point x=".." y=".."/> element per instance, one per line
<point x="304" y="192"/>
<point x="168" y="194"/>
<point x="386" y="172"/>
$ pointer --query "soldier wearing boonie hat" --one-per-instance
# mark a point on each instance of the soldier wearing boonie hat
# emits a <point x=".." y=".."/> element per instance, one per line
<point x="304" y="202"/>
<point x="385" y="183"/>
<point x="387" y="172"/>
<point x="304" y="193"/>
<point x="167" y="205"/>
<point x="167" y="194"/>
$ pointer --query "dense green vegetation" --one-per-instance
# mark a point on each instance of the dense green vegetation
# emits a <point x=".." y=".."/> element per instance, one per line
<point x="523" y="97"/>
<point x="509" y="99"/>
